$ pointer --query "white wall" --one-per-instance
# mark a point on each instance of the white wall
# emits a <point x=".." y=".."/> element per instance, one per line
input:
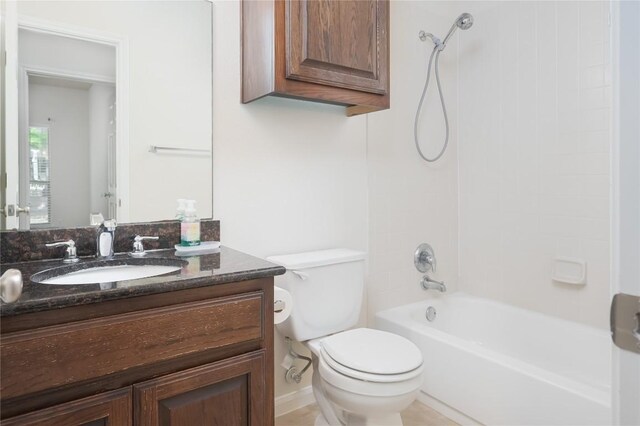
<point x="66" y="54"/>
<point x="411" y="201"/>
<point x="171" y="107"/>
<point x="289" y="176"/>
<point x="292" y="176"/>
<point x="68" y="110"/>
<point x="534" y="143"/>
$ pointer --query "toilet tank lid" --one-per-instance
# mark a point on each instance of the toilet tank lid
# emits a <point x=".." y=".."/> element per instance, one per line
<point x="313" y="259"/>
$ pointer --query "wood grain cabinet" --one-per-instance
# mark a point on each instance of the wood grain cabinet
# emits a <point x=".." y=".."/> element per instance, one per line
<point x="227" y="393"/>
<point x="201" y="356"/>
<point x="318" y="50"/>
<point x="110" y="408"/>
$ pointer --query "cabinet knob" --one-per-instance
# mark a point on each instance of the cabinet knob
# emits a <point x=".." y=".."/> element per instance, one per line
<point x="10" y="285"/>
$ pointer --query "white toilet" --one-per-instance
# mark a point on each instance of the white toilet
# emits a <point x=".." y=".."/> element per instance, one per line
<point x="360" y="376"/>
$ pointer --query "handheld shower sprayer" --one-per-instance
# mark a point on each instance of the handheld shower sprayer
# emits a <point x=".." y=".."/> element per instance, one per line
<point x="464" y="22"/>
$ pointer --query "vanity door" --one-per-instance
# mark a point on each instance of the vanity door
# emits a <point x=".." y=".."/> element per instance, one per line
<point x="109" y="408"/>
<point x="230" y="392"/>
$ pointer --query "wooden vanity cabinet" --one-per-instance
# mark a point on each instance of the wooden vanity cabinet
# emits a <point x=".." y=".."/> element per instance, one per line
<point x="109" y="408"/>
<point x="227" y="393"/>
<point x="318" y="50"/>
<point x="189" y="357"/>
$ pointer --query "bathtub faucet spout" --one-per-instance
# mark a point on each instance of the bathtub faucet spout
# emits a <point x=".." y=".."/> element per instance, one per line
<point x="429" y="284"/>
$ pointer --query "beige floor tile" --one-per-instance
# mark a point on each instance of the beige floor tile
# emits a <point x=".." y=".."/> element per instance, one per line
<point x="416" y="414"/>
<point x="301" y="417"/>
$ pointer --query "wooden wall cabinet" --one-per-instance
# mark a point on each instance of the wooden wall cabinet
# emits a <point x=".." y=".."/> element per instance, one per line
<point x="183" y="358"/>
<point x="319" y="50"/>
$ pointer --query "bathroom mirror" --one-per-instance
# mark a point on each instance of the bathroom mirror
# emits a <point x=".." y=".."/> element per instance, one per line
<point x="106" y="111"/>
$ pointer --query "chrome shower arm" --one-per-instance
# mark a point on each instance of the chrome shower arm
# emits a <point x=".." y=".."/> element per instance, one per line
<point x="422" y="35"/>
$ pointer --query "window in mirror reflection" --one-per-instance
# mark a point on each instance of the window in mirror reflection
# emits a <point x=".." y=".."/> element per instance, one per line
<point x="39" y="185"/>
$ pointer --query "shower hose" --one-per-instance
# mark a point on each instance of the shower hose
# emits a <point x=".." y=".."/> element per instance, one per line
<point x="437" y="49"/>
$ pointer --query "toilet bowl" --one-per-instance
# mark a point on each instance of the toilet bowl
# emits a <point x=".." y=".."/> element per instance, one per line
<point x="372" y="392"/>
<point x="360" y="376"/>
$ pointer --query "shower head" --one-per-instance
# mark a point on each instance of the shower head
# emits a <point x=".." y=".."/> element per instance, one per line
<point x="464" y="22"/>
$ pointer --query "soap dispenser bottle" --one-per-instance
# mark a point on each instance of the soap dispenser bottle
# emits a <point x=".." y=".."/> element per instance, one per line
<point x="105" y="239"/>
<point x="190" y="226"/>
<point x="182" y="207"/>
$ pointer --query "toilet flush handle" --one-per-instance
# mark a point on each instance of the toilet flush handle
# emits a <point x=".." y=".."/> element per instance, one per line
<point x="300" y="275"/>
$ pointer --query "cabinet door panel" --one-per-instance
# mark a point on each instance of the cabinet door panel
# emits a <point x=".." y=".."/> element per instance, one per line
<point x="204" y="403"/>
<point x="338" y="43"/>
<point x="110" y="408"/>
<point x="230" y="392"/>
<point x="38" y="360"/>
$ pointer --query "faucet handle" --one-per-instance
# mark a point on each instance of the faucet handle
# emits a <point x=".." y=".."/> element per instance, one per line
<point x="138" y="247"/>
<point x="70" y="255"/>
<point x="424" y="258"/>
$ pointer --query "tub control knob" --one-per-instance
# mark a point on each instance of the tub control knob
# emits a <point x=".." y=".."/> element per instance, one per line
<point x="424" y="258"/>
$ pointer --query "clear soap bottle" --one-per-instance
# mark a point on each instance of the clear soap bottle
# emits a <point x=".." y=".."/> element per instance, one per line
<point x="190" y="226"/>
<point x="182" y="206"/>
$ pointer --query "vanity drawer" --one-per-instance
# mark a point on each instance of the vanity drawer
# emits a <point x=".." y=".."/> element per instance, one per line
<point x="59" y="356"/>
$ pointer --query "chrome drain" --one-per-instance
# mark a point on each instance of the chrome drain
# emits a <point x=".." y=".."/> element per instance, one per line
<point x="431" y="313"/>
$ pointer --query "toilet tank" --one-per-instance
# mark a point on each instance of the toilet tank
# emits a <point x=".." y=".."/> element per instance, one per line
<point x="327" y="288"/>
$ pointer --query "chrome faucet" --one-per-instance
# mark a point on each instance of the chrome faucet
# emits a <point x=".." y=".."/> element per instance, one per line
<point x="425" y="260"/>
<point x="138" y="247"/>
<point x="429" y="284"/>
<point x="105" y="238"/>
<point x="70" y="255"/>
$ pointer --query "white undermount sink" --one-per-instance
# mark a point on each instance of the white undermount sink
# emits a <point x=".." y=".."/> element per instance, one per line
<point x="103" y="274"/>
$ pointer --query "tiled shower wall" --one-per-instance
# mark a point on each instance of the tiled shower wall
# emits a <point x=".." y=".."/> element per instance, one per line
<point x="533" y="143"/>
<point x="410" y="201"/>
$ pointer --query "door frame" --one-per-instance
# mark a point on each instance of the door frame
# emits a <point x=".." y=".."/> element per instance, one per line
<point x="121" y="45"/>
<point x="9" y="137"/>
<point x="625" y="195"/>
<point x="25" y="123"/>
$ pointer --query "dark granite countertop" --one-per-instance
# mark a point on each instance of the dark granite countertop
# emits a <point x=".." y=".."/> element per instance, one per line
<point x="226" y="265"/>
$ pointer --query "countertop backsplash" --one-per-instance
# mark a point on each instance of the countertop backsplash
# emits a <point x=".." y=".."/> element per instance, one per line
<point x="25" y="246"/>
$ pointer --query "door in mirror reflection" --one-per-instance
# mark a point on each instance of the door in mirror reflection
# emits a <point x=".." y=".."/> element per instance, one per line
<point x="66" y="99"/>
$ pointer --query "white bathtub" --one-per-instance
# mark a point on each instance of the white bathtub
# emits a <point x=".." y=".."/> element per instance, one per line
<point x="501" y="365"/>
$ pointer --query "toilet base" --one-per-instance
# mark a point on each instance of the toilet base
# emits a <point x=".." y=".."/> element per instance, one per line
<point x="321" y="421"/>
<point x="388" y="420"/>
<point x="343" y="408"/>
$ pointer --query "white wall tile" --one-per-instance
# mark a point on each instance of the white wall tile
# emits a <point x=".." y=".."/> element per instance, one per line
<point x="551" y="190"/>
<point x="412" y="201"/>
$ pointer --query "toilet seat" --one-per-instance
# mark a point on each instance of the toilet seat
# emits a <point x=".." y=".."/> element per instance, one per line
<point x="335" y="379"/>
<point x="368" y="377"/>
<point x="374" y="355"/>
<point x="394" y="367"/>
